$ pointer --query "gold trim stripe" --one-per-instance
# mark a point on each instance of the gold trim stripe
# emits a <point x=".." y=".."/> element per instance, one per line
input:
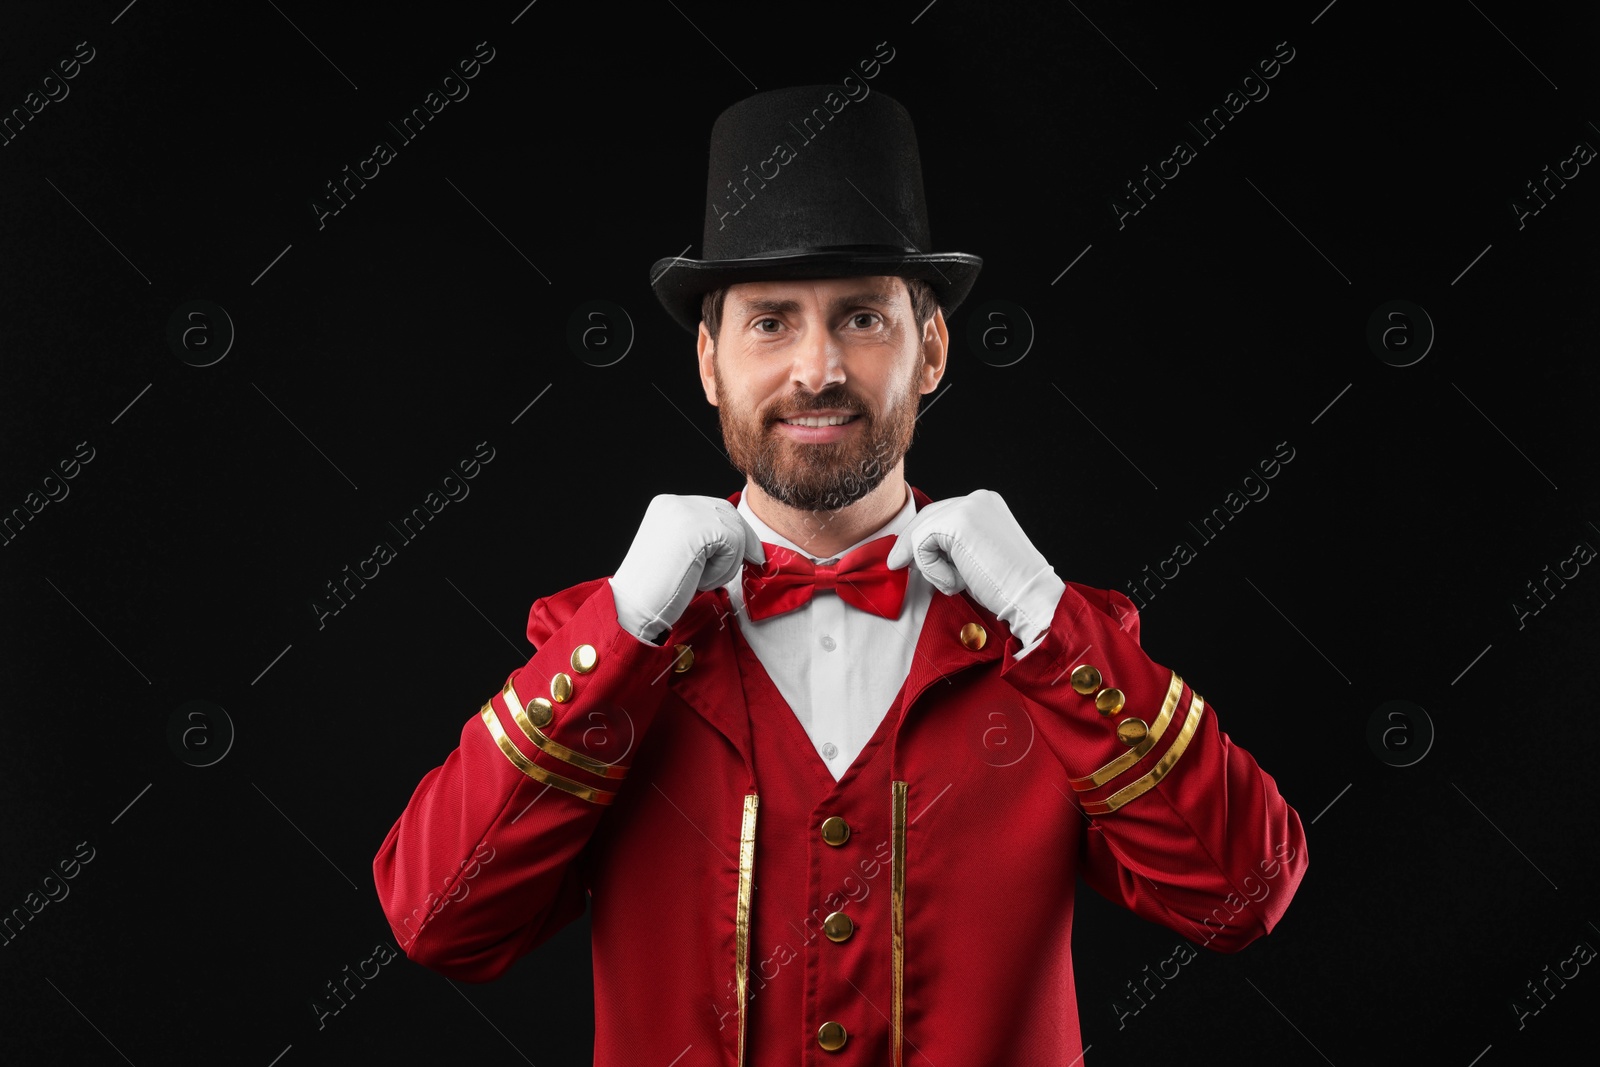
<point x="897" y="924"/>
<point x="1136" y="753"/>
<point x="741" y="935"/>
<point x="1168" y="760"/>
<point x="553" y="747"/>
<point x="533" y="770"/>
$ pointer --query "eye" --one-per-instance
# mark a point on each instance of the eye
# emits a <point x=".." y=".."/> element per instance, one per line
<point x="760" y="325"/>
<point x="871" y="318"/>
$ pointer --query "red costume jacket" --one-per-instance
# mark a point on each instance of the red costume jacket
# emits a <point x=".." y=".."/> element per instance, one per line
<point x="748" y="909"/>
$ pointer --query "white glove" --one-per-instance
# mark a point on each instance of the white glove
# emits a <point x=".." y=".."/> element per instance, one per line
<point x="685" y="544"/>
<point x="973" y="542"/>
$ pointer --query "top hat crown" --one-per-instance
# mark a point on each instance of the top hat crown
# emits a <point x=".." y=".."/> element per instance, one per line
<point x="812" y="182"/>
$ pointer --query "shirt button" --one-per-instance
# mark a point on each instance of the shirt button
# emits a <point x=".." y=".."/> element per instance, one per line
<point x="830" y="750"/>
<point x="829" y="643"/>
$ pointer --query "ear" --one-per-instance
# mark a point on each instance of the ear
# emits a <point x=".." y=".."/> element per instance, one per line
<point x="706" y="347"/>
<point x="935" y="350"/>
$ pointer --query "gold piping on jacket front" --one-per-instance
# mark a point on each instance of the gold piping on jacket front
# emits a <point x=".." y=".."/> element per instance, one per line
<point x="741" y="925"/>
<point x="897" y="923"/>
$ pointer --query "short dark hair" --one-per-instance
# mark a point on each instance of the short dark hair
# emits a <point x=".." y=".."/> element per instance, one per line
<point x="924" y="303"/>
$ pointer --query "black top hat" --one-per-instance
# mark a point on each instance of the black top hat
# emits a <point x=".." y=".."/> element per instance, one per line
<point x="812" y="182"/>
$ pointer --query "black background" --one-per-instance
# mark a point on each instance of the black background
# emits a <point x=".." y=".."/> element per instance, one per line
<point x="425" y="317"/>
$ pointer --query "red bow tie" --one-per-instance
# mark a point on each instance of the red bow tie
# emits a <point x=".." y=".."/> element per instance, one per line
<point x="861" y="579"/>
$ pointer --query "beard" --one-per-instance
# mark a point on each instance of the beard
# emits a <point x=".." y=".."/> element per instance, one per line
<point x="826" y="475"/>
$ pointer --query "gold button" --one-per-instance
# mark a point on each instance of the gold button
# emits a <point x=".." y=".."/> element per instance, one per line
<point x="1109" y="701"/>
<point x="973" y="636"/>
<point x="1085" y="679"/>
<point x="1131" y="731"/>
<point x="540" y="712"/>
<point x="685" y="659"/>
<point x="561" y="688"/>
<point x="830" y="1035"/>
<point x="838" y="926"/>
<point x="584" y="658"/>
<point x="835" y="831"/>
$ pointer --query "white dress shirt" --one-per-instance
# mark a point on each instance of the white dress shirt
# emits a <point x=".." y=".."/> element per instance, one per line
<point x="838" y="667"/>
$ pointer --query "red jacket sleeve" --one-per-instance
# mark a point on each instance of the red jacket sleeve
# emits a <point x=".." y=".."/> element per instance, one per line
<point x="1185" y="828"/>
<point x="485" y="862"/>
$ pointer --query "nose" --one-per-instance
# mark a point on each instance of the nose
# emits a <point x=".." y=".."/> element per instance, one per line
<point x="818" y="360"/>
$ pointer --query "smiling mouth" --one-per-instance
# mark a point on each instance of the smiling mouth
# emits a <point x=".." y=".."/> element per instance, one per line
<point x="818" y="421"/>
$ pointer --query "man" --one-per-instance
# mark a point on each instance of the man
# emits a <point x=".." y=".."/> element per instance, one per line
<point x="826" y="757"/>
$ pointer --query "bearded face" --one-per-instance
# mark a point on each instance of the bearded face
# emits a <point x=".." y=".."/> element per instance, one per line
<point x="802" y="468"/>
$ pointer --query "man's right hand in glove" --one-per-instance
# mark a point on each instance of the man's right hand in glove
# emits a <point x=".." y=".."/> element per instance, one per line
<point x="686" y="544"/>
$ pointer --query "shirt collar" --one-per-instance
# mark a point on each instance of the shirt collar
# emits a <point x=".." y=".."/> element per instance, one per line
<point x="900" y="521"/>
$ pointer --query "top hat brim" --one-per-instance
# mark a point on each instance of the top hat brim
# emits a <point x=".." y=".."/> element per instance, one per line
<point x="680" y="283"/>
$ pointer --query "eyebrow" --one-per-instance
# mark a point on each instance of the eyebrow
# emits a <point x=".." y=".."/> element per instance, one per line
<point x="773" y="306"/>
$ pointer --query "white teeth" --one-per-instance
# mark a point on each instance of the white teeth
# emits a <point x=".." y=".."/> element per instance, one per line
<point x="831" y="420"/>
